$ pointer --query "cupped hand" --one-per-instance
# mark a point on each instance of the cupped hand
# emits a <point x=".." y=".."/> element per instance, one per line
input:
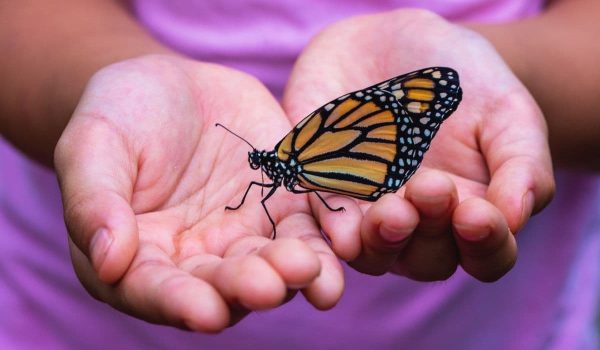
<point x="145" y="178"/>
<point x="488" y="168"/>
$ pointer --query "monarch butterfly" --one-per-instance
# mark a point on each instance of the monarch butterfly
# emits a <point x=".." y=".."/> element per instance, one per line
<point x="363" y="144"/>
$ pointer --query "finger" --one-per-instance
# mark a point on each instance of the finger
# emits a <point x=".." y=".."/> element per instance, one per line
<point x="342" y="228"/>
<point x="300" y="259"/>
<point x="327" y="287"/>
<point x="205" y="267"/>
<point x="520" y="188"/>
<point x="305" y="261"/>
<point x="96" y="184"/>
<point x="431" y="253"/>
<point x="156" y="291"/>
<point x="299" y="264"/>
<point x="519" y="159"/>
<point x="244" y="278"/>
<point x="487" y="248"/>
<point x="386" y="228"/>
<point x="87" y="275"/>
<point x="294" y="261"/>
<point x="326" y="284"/>
<point x="289" y="255"/>
<point x="251" y="282"/>
<point x="323" y="290"/>
<point x="161" y="292"/>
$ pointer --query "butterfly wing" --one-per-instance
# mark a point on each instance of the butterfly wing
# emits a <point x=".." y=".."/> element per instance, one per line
<point x="369" y="142"/>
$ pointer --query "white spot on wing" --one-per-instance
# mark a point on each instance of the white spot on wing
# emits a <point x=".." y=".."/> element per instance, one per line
<point x="398" y="93"/>
<point x="414" y="107"/>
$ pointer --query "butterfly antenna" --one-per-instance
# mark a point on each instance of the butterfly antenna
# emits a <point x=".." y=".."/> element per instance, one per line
<point x="236" y="135"/>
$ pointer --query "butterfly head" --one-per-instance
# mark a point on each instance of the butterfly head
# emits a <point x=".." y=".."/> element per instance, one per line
<point x="255" y="159"/>
<point x="267" y="162"/>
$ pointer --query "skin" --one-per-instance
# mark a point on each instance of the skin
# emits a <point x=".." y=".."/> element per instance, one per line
<point x="158" y="245"/>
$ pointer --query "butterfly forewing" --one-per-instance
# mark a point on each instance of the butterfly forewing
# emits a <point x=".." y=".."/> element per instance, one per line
<point x="371" y="141"/>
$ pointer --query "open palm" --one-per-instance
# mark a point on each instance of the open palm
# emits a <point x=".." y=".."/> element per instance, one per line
<point x="487" y="170"/>
<point x="145" y="178"/>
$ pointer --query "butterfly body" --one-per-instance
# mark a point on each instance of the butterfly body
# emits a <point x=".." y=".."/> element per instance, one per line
<point x="363" y="144"/>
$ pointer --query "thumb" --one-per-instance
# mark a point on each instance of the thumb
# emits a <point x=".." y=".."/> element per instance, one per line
<point x="522" y="179"/>
<point x="95" y="177"/>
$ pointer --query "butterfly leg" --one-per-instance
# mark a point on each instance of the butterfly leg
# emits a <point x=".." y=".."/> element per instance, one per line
<point x="248" y="190"/>
<point x="321" y="198"/>
<point x="267" y="211"/>
<point x="327" y="205"/>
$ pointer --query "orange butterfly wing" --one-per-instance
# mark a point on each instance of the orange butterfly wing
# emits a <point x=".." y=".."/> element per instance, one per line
<point x="369" y="142"/>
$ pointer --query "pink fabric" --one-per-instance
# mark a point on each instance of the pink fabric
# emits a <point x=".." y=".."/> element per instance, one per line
<point x="547" y="302"/>
<point x="263" y="37"/>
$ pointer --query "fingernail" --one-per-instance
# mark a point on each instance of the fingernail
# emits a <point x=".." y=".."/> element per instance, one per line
<point x="527" y="202"/>
<point x="392" y="235"/>
<point x="325" y="235"/>
<point x="472" y="234"/>
<point x="99" y="247"/>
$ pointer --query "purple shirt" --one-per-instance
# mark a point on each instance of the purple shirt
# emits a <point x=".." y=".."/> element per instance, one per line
<point x="548" y="301"/>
